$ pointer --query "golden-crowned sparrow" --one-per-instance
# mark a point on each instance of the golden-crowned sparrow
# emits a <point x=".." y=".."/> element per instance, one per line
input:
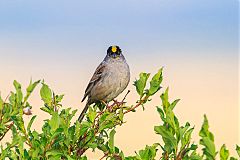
<point x="109" y="80"/>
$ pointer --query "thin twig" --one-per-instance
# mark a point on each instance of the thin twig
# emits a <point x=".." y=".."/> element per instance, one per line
<point x="125" y="96"/>
<point x="105" y="155"/>
<point x="81" y="151"/>
<point x="137" y="105"/>
<point x="8" y="128"/>
<point x="6" y="98"/>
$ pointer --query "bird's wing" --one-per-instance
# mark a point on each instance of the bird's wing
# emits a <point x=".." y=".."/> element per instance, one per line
<point x="95" y="78"/>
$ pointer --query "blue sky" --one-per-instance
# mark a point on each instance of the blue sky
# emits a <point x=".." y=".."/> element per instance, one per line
<point x="143" y="25"/>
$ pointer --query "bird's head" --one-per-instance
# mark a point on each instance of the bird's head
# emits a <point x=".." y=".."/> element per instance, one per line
<point x="114" y="52"/>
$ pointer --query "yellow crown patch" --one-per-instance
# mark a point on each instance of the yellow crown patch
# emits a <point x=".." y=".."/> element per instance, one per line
<point x="114" y="49"/>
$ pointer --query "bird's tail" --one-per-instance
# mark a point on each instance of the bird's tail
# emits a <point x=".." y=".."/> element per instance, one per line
<point x="80" y="118"/>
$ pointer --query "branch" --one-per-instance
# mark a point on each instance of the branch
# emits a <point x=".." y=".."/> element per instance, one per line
<point x="138" y="104"/>
<point x="125" y="96"/>
<point x="82" y="150"/>
<point x="8" y="128"/>
<point x="105" y="155"/>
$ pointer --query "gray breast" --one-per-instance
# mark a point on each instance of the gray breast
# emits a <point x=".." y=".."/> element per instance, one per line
<point x="114" y="81"/>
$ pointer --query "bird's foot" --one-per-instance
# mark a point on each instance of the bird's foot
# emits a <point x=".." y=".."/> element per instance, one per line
<point x="118" y="103"/>
<point x="106" y="104"/>
<point x="110" y="107"/>
<point x="115" y="103"/>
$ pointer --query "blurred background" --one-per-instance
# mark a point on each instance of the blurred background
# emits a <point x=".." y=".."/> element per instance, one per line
<point x="63" y="42"/>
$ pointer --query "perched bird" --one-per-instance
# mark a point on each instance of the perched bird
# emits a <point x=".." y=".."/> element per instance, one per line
<point x="109" y="80"/>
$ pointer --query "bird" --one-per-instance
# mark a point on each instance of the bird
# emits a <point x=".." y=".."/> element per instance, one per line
<point x="110" y="79"/>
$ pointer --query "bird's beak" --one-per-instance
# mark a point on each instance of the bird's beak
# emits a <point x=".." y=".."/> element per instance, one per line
<point x="114" y="55"/>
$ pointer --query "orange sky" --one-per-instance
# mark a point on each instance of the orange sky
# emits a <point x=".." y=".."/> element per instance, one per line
<point x="203" y="89"/>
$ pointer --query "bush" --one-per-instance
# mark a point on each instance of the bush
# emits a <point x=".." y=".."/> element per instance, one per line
<point x="60" y="138"/>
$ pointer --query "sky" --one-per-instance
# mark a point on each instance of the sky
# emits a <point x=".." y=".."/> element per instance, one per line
<point x="62" y="42"/>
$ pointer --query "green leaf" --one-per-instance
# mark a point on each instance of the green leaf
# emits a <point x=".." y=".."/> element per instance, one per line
<point x="1" y="103"/>
<point x="171" y="121"/>
<point x="103" y="147"/>
<point x="161" y="113"/>
<point x="46" y="94"/>
<point x="59" y="98"/>
<point x="209" y="148"/>
<point x="19" y="95"/>
<point x="53" y="153"/>
<point x="149" y="153"/>
<point x="193" y="156"/>
<point x="46" y="109"/>
<point x="121" y="114"/>
<point x="57" y="132"/>
<point x="18" y="121"/>
<point x="84" y="127"/>
<point x="77" y="129"/>
<point x="91" y="114"/>
<point x="141" y="83"/>
<point x="30" y="123"/>
<point x="167" y="136"/>
<point x="54" y="122"/>
<point x="107" y="121"/>
<point x="238" y="150"/>
<point x="111" y="141"/>
<point x="182" y="131"/>
<point x="69" y="158"/>
<point x="164" y="98"/>
<point x="92" y="145"/>
<point x="186" y="138"/>
<point x="83" y="158"/>
<point x="193" y="147"/>
<point x="224" y="153"/>
<point x="204" y="132"/>
<point x="174" y="103"/>
<point x="30" y="89"/>
<point x="155" y="83"/>
<point x="207" y="140"/>
<point x="26" y="155"/>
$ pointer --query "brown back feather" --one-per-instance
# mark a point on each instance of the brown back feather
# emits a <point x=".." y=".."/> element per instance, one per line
<point x="95" y="78"/>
